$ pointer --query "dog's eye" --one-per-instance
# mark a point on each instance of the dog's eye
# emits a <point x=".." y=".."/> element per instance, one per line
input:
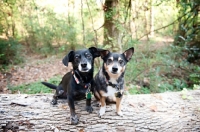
<point x="76" y="58"/>
<point x="110" y="61"/>
<point x="88" y="56"/>
<point x="121" y="62"/>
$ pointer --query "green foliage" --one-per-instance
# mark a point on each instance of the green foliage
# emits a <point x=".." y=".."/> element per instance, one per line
<point x="36" y="87"/>
<point x="46" y="31"/>
<point x="178" y="84"/>
<point x="10" y="52"/>
<point x="185" y="94"/>
<point x="188" y="32"/>
<point x="32" y="88"/>
<point x="195" y="78"/>
<point x="155" y="71"/>
<point x="195" y="87"/>
<point x="138" y="90"/>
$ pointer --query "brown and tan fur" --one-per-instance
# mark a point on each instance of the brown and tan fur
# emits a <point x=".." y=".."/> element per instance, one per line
<point x="109" y="81"/>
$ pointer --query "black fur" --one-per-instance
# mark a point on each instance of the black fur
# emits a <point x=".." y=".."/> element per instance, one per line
<point x="111" y="75"/>
<point x="83" y="68"/>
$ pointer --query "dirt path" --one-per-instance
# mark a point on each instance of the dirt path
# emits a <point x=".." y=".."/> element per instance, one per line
<point x="35" y="69"/>
<point x="166" y="112"/>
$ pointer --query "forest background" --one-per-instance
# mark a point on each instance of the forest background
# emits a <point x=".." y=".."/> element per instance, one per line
<point x="164" y="33"/>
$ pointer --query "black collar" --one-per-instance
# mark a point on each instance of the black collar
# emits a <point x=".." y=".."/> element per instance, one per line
<point x="80" y="80"/>
<point x="116" y="86"/>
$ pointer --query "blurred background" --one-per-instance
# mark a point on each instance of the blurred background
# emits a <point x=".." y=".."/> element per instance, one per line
<point x="36" y="34"/>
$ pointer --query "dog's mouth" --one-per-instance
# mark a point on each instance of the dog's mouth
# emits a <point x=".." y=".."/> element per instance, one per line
<point x="114" y="72"/>
<point x="84" y="69"/>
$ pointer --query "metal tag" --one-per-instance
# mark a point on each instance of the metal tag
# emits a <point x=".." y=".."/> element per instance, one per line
<point x="88" y="95"/>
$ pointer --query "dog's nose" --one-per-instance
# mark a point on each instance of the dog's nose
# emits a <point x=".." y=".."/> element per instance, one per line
<point x="84" y="65"/>
<point x="114" y="69"/>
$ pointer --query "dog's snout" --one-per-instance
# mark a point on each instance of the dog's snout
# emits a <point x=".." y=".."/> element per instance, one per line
<point x="84" y="65"/>
<point x="114" y="69"/>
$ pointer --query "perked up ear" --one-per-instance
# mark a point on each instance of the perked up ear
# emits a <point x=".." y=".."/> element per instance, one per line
<point x="128" y="53"/>
<point x="104" y="53"/>
<point x="68" y="58"/>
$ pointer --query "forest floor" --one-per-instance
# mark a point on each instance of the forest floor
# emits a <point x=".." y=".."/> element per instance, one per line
<point x="39" y="68"/>
<point x="34" y="69"/>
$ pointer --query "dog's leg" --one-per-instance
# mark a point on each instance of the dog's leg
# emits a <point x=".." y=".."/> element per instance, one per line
<point x="118" y="106"/>
<point x="103" y="106"/>
<point x="97" y="97"/>
<point x="73" y="118"/>
<point x="54" y="100"/>
<point x="88" y="106"/>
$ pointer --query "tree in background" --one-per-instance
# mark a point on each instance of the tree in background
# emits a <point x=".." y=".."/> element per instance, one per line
<point x="42" y="29"/>
<point x="9" y="46"/>
<point x="188" y="33"/>
<point x="111" y="32"/>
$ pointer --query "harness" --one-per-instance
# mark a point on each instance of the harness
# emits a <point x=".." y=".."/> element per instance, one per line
<point x="88" y="93"/>
<point x="119" y="93"/>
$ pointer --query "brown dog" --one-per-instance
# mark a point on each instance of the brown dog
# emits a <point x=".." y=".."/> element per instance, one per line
<point x="109" y="81"/>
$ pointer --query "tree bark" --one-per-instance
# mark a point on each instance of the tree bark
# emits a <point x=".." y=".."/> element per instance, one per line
<point x="111" y="32"/>
<point x="150" y="112"/>
<point x="146" y="8"/>
<point x="151" y="19"/>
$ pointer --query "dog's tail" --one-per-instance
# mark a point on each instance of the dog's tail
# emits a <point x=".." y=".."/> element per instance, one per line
<point x="52" y="86"/>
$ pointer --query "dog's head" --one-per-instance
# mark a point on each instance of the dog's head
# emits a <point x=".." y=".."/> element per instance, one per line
<point x="115" y="63"/>
<point x="83" y="60"/>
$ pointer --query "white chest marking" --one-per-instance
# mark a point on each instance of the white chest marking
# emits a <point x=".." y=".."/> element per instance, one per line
<point x="110" y="91"/>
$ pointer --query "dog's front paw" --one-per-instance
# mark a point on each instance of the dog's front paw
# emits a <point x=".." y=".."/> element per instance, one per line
<point x="102" y="111"/>
<point x="89" y="109"/>
<point x="54" y="102"/>
<point x="74" y="120"/>
<point x="120" y="113"/>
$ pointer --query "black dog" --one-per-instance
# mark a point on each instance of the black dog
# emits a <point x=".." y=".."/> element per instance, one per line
<point x="77" y="85"/>
<point x="109" y="81"/>
<point x="59" y="94"/>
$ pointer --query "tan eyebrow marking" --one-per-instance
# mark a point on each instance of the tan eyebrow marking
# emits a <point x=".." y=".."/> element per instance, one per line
<point x="119" y="58"/>
<point x="110" y="58"/>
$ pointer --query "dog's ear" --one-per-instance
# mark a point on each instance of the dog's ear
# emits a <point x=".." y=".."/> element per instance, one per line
<point x="68" y="58"/>
<point x="128" y="53"/>
<point x="96" y="52"/>
<point x="104" y="53"/>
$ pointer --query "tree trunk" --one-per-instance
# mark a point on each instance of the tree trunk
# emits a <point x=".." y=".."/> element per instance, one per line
<point x="111" y="32"/>
<point x="146" y="8"/>
<point x="83" y="26"/>
<point x="151" y="20"/>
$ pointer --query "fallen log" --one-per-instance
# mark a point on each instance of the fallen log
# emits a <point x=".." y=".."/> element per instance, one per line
<point x="174" y="111"/>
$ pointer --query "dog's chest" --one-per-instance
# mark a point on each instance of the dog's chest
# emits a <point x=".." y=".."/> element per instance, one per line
<point x="111" y="90"/>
